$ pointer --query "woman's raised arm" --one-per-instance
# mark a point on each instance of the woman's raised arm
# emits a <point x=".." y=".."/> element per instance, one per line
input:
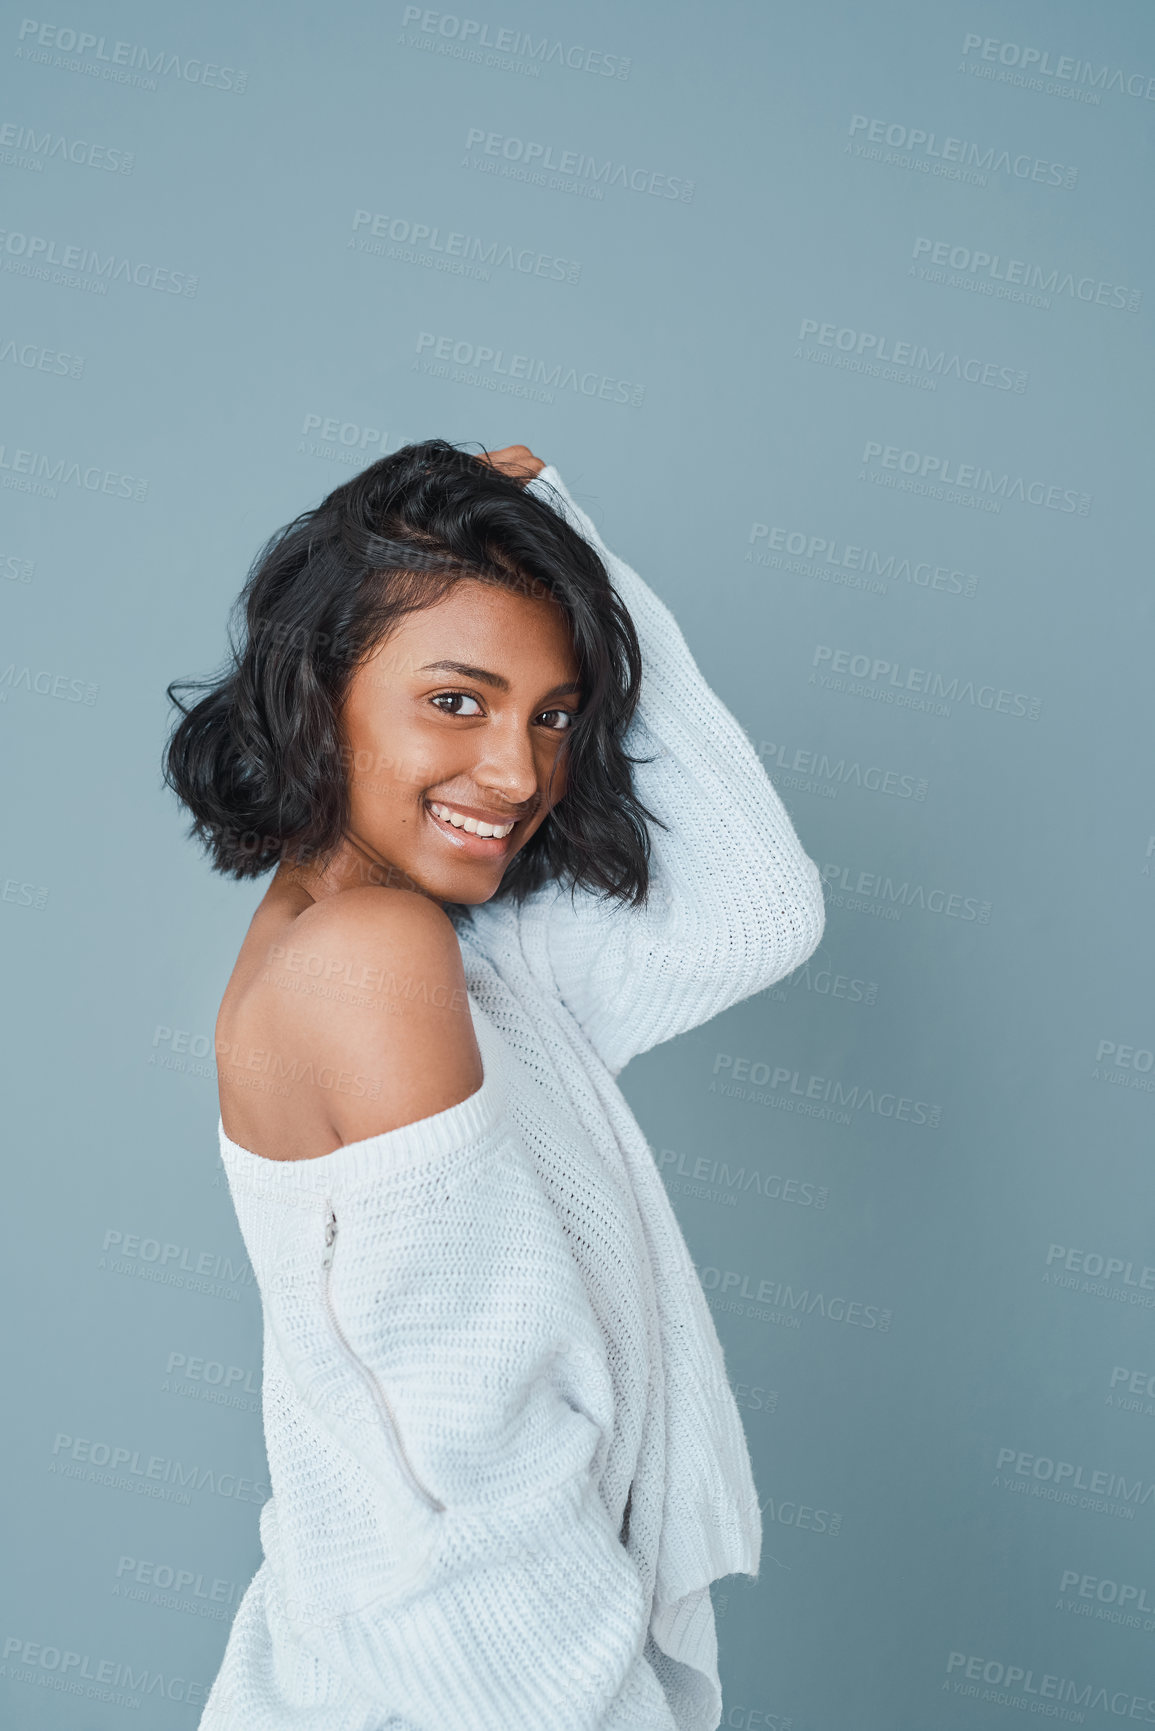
<point x="735" y="902"/>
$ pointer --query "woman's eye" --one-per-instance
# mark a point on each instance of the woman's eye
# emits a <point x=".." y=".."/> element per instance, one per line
<point x="549" y="716"/>
<point x="455" y="697"/>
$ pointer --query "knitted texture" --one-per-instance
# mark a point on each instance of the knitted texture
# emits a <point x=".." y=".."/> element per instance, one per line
<point x="483" y="1332"/>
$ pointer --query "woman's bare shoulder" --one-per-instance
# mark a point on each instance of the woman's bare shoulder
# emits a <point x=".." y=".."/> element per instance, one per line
<point x="371" y="914"/>
<point x="357" y="1008"/>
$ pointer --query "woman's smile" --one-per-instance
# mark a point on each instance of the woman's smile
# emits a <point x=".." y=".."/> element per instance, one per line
<point x="469" y="841"/>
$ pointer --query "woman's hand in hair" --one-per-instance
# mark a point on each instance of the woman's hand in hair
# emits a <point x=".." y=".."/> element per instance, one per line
<point x="516" y="461"/>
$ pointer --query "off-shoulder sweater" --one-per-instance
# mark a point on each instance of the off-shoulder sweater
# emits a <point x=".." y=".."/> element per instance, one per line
<point x="505" y="1457"/>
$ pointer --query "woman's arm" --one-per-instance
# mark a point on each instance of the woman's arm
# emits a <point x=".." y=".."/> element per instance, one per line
<point x="735" y="902"/>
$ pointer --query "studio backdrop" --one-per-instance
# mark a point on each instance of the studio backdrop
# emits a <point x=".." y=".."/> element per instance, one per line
<point x="837" y="318"/>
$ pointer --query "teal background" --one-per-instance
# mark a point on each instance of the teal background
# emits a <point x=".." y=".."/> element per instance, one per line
<point x="956" y="1439"/>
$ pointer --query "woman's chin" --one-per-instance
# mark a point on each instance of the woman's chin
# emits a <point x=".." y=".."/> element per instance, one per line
<point x="470" y="885"/>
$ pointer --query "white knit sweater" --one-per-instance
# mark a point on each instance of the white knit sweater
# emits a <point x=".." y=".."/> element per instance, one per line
<point x="483" y="1333"/>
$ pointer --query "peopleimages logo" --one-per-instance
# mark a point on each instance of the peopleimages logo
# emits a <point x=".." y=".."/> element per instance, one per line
<point x="1124" y="1066"/>
<point x="213" y="1273"/>
<point x="24" y="895"/>
<point x="1021" y="1686"/>
<point x="1139" y="1387"/>
<point x="815" y="1096"/>
<point x="1098" y="1265"/>
<point x="886" y="356"/>
<point x="195" y="1368"/>
<point x="117" y="1682"/>
<point x="519" y="375"/>
<point x="36" y="358"/>
<point x="808" y="769"/>
<point x="732" y="1285"/>
<point x="35" y="472"/>
<point x="46" y="684"/>
<point x="1065" y="1477"/>
<point x="858" y="567"/>
<point x="461" y="254"/>
<point x="353" y="442"/>
<point x="723" y="1177"/>
<point x="891" y="897"/>
<point x="122" y="1458"/>
<point x="101" y="58"/>
<point x="470" y="35"/>
<point x="913" y="687"/>
<point x="934" y="153"/>
<point x="1013" y="275"/>
<point x="25" y="147"/>
<point x="945" y="472"/>
<point x="1039" y="63"/>
<point x="1106" y="1592"/>
<point x="14" y="569"/>
<point x="172" y="1586"/>
<point x="39" y="256"/>
<point x="825" y="984"/>
<point x="580" y="167"/>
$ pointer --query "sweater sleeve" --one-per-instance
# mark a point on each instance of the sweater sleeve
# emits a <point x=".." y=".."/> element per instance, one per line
<point x="441" y="1403"/>
<point x="735" y="903"/>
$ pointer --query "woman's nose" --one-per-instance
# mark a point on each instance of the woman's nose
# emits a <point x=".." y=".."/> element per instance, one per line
<point x="508" y="765"/>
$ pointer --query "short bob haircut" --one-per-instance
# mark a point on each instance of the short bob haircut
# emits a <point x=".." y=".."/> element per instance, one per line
<point x="259" y="758"/>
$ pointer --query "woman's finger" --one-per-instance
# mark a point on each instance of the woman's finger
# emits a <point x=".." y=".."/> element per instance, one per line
<point x="516" y="461"/>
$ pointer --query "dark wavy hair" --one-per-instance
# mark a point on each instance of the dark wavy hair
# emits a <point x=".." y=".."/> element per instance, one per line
<point x="258" y="758"/>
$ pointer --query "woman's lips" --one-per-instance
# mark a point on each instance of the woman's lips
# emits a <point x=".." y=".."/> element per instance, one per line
<point x="472" y="846"/>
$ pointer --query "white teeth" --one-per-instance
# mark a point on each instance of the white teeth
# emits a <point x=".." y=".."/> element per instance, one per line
<point x="471" y="824"/>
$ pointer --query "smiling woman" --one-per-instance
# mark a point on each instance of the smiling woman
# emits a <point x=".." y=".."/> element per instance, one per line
<point x="505" y="1456"/>
<point x="491" y="743"/>
<point x="430" y="561"/>
<point x="422" y="654"/>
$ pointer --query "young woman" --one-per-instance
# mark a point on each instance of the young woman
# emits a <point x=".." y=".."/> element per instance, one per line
<point x="505" y="1457"/>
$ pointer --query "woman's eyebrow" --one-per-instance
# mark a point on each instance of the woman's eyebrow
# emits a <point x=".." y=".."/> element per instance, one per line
<point x="498" y="680"/>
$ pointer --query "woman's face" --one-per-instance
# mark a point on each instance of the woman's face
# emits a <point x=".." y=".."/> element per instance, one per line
<point x="482" y="741"/>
